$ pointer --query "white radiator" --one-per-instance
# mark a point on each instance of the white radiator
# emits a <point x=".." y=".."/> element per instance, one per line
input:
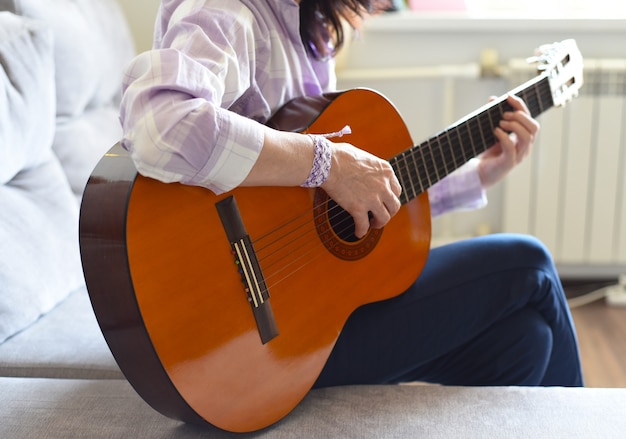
<point x="571" y="192"/>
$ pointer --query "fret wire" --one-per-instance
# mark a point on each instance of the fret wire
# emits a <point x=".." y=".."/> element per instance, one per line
<point x="499" y="110"/>
<point x="424" y="167"/>
<point x="404" y="172"/>
<point x="435" y="162"/>
<point x="433" y="166"/>
<point x="459" y="146"/>
<point x="433" y="171"/>
<point x="443" y="144"/>
<point x="430" y="162"/>
<point x="452" y="155"/>
<point x="404" y="196"/>
<point x="416" y="167"/>
<point x="405" y="158"/>
<point x="477" y="135"/>
<point x="427" y="177"/>
<point x="441" y="151"/>
<point x="405" y="192"/>
<point x="481" y="140"/>
<point x="427" y="168"/>
<point x="486" y="131"/>
<point x="424" y="175"/>
<point x="408" y="174"/>
<point x="468" y="134"/>
<point x="455" y="138"/>
<point x="529" y="99"/>
<point x="478" y="140"/>
<point x="539" y="103"/>
<point x="537" y="98"/>
<point x="491" y="126"/>
<point x="400" y="172"/>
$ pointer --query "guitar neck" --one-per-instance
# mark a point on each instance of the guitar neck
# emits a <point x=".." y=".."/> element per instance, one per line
<point x="423" y="165"/>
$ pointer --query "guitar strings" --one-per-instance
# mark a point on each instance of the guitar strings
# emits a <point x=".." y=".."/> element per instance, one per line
<point x="348" y="223"/>
<point x="433" y="162"/>
<point x="305" y="248"/>
<point x="442" y="165"/>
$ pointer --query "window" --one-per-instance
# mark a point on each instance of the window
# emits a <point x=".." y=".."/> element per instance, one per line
<point x="527" y="8"/>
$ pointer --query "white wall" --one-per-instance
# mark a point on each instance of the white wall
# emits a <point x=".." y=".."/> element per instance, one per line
<point x="141" y="15"/>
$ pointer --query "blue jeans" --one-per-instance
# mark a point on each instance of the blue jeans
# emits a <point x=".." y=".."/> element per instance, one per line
<point x="484" y="311"/>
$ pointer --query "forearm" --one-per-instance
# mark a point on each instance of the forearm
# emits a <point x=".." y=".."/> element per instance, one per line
<point x="285" y="160"/>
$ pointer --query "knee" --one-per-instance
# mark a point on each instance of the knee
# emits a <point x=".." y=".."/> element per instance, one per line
<point x="535" y="257"/>
<point x="527" y="250"/>
<point x="522" y="252"/>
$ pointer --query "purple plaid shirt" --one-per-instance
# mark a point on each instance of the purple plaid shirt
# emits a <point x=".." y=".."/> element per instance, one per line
<point x="193" y="107"/>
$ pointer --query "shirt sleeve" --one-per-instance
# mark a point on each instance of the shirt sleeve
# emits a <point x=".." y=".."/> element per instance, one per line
<point x="176" y="125"/>
<point x="461" y="190"/>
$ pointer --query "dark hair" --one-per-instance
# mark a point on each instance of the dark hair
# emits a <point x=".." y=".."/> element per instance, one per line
<point x="321" y="26"/>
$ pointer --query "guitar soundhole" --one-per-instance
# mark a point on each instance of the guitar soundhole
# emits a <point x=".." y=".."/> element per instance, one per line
<point x="335" y="228"/>
<point x="341" y="222"/>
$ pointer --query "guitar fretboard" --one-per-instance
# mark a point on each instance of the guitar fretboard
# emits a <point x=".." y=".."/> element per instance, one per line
<point x="423" y="165"/>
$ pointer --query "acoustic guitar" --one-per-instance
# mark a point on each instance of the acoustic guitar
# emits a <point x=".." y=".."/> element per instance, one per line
<point x="223" y="310"/>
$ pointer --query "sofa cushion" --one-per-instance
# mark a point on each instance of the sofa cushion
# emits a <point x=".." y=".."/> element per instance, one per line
<point x="92" y="44"/>
<point x="26" y="94"/>
<point x="45" y="409"/>
<point x="65" y="343"/>
<point x="39" y="256"/>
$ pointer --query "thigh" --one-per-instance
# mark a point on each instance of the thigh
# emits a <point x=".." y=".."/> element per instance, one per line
<point x="464" y="289"/>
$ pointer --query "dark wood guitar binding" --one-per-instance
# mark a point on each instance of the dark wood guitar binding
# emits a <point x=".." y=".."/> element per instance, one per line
<point x="102" y="235"/>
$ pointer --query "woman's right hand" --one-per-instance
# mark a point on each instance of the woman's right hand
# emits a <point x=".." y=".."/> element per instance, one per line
<point x="364" y="185"/>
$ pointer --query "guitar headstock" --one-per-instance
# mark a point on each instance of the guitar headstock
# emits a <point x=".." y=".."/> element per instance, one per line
<point x="562" y="63"/>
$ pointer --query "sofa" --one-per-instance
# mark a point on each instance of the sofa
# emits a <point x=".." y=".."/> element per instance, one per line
<point x="61" y="67"/>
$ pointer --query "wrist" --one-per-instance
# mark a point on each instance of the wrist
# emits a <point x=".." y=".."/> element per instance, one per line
<point x="322" y="161"/>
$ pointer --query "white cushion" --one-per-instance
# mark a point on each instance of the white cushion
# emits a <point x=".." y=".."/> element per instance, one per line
<point x="27" y="96"/>
<point x="39" y="254"/>
<point x="92" y="45"/>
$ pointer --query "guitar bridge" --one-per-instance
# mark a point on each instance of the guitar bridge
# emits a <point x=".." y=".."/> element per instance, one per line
<point x="249" y="268"/>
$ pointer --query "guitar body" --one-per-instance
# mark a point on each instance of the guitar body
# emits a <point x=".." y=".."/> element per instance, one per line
<point x="223" y="310"/>
<point x="170" y="300"/>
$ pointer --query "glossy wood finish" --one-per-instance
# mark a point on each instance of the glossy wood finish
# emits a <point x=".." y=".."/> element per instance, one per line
<point x="170" y="300"/>
<point x="109" y="281"/>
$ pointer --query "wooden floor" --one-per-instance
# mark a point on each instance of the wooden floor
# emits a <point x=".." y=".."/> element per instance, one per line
<point x="601" y="332"/>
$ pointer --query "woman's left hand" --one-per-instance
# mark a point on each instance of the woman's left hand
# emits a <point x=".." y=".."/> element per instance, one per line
<point x="515" y="136"/>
